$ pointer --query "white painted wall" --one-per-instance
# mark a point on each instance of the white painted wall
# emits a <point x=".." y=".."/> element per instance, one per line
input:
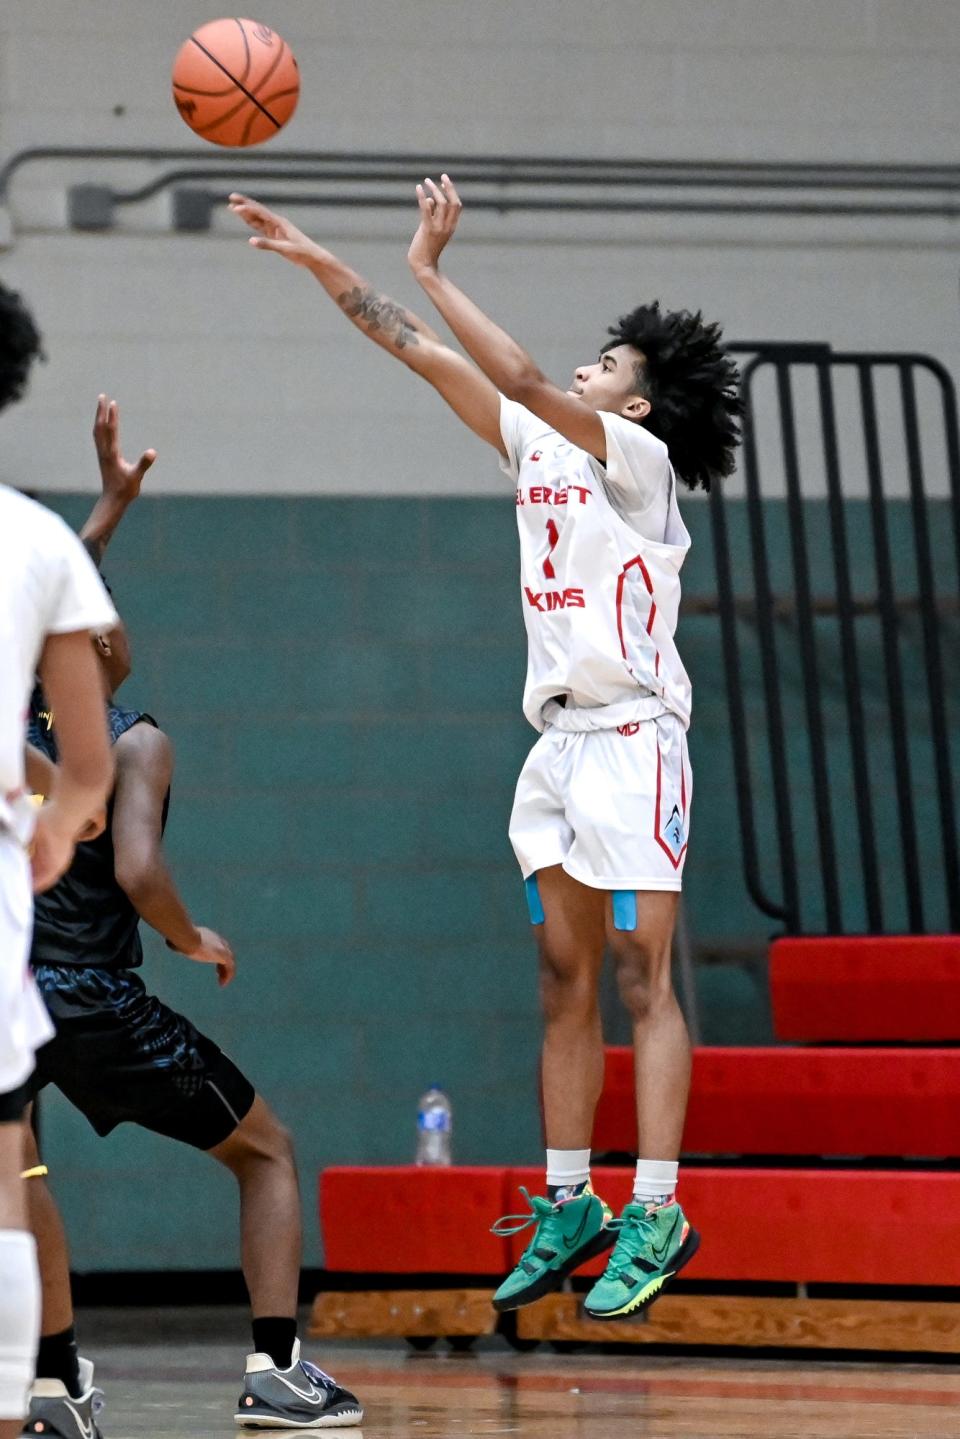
<point x="246" y="380"/>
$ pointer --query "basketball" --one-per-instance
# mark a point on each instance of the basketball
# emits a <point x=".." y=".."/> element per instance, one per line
<point x="235" y="82"/>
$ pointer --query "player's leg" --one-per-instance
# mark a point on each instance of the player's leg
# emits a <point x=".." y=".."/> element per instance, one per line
<point x="58" y="1364"/>
<point x="259" y="1153"/>
<point x="63" y="1397"/>
<point x="279" y="1388"/>
<point x="571" y="946"/>
<point x="569" y="1223"/>
<point x="121" y="1055"/>
<point x="23" y="1028"/>
<point x="654" y="1238"/>
<point x="19" y="1283"/>
<point x="661" y="1044"/>
<point x="631" y="801"/>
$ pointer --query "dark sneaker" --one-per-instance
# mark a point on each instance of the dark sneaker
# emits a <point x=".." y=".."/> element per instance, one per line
<point x="56" y="1414"/>
<point x="301" y="1397"/>
<point x="650" y="1249"/>
<point x="565" y="1235"/>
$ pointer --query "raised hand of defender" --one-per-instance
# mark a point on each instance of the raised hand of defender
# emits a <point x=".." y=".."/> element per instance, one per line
<point x="275" y="232"/>
<point x="440" y="208"/>
<point x="119" y="479"/>
<point x="214" y="949"/>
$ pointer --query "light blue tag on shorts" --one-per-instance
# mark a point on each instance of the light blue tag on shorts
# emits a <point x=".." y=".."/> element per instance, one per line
<point x="534" y="902"/>
<point x="624" y="909"/>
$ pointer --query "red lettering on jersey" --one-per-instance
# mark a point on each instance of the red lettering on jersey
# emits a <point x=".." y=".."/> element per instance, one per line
<point x="548" y="600"/>
<point x="628" y="730"/>
<point x="520" y="499"/>
<point x="535" y="456"/>
<point x="543" y="495"/>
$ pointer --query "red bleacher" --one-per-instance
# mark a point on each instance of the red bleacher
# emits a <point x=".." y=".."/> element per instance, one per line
<point x="778" y="1225"/>
<point x="403" y="1219"/>
<point x="900" y="988"/>
<point x="801" y="1101"/>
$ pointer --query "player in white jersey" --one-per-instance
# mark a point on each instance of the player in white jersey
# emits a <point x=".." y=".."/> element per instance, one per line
<point x="51" y="601"/>
<point x="601" y="815"/>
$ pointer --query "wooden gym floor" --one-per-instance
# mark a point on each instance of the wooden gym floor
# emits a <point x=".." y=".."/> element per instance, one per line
<point x="172" y="1373"/>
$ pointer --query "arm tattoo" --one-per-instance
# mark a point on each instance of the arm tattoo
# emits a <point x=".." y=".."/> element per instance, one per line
<point x="376" y="312"/>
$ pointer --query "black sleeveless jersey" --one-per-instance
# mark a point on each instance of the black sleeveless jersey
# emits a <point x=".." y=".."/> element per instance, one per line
<point x="86" y="919"/>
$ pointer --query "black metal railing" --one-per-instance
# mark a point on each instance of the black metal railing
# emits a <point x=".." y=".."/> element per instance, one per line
<point x="816" y="885"/>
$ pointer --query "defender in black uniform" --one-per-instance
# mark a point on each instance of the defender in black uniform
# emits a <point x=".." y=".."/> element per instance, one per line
<point x="86" y="942"/>
<point x="120" y="1054"/>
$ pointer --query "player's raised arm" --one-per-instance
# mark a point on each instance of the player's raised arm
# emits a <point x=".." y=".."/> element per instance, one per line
<point x="402" y="334"/>
<point x="120" y="479"/>
<point x="506" y="364"/>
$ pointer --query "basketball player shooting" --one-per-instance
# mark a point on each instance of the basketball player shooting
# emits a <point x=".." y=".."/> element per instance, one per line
<point x="601" y="816"/>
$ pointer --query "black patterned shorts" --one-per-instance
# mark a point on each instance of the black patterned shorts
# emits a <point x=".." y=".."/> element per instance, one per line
<point x="121" y="1055"/>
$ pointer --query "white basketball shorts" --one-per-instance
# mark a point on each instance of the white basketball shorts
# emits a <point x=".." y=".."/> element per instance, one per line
<point x="611" y="806"/>
<point x="24" y="1022"/>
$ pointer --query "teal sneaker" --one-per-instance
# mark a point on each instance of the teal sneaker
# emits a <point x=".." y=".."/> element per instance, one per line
<point x="650" y="1250"/>
<point x="565" y="1236"/>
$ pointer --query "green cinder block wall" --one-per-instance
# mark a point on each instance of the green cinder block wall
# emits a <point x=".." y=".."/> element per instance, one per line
<point x="342" y="682"/>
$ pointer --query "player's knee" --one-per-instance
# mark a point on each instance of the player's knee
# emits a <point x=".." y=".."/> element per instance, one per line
<point x="567" y="986"/>
<point x="643" y="977"/>
<point x="260" y="1139"/>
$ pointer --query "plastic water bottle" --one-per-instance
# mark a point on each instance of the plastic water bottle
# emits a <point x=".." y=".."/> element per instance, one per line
<point x="434" y="1127"/>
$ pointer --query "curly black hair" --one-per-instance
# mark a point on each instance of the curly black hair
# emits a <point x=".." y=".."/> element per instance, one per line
<point x="20" y="345"/>
<point x="692" y="385"/>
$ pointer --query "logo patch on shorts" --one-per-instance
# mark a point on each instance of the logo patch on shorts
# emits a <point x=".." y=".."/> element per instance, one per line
<point x="673" y="832"/>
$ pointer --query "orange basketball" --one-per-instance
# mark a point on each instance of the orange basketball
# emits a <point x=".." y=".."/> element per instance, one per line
<point x="235" y="82"/>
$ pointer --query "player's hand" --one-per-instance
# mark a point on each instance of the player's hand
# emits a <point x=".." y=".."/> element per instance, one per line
<point x="275" y="232"/>
<point x="213" y="949"/>
<point x="119" y="478"/>
<point x="440" y="208"/>
<point x="51" y="851"/>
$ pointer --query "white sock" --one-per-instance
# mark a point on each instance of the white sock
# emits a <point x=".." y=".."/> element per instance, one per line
<point x="655" y="1181"/>
<point x="566" y="1168"/>
<point x="19" y="1320"/>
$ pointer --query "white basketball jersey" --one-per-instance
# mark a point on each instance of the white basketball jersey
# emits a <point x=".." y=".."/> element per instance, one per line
<point x="601" y="547"/>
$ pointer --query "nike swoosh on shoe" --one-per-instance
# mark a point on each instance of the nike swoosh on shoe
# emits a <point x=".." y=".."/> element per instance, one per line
<point x="572" y="1243"/>
<point x="87" y="1430"/>
<point x="313" y="1396"/>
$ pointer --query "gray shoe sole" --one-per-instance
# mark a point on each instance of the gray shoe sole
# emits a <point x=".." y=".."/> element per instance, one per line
<point x="347" y="1418"/>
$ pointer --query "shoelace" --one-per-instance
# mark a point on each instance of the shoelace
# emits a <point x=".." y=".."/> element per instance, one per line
<point x="621" y="1258"/>
<point x="545" y="1217"/>
<point x="318" y="1375"/>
